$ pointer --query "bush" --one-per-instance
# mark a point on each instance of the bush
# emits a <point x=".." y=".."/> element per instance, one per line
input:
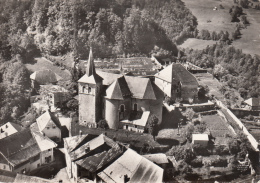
<point x="222" y="150"/>
<point x="200" y="150"/>
<point x="196" y="163"/>
<point x="219" y="162"/>
<point x="168" y="100"/>
<point x="103" y="124"/>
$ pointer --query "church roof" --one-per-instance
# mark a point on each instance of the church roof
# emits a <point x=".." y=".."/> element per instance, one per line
<point x="177" y="72"/>
<point x="46" y="76"/>
<point x="108" y="77"/>
<point x="45" y="119"/>
<point x="254" y="102"/>
<point x="118" y="89"/>
<point x="140" y="88"/>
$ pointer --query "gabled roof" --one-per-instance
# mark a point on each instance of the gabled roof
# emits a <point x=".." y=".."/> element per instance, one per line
<point x="140" y="88"/>
<point x="7" y="176"/>
<point x="109" y="78"/>
<point x="254" y="102"/>
<point x="140" y="119"/>
<point x="9" y="129"/>
<point x="45" y="77"/>
<point x="118" y="89"/>
<point x="43" y="142"/>
<point x="31" y="179"/>
<point x="47" y="118"/>
<point x="158" y="158"/>
<point x="134" y="166"/>
<point x="21" y="146"/>
<point x="177" y="72"/>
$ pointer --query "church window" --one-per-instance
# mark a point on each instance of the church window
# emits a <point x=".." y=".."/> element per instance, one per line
<point x="89" y="89"/>
<point x="135" y="107"/>
<point x="83" y="89"/>
<point x="122" y="108"/>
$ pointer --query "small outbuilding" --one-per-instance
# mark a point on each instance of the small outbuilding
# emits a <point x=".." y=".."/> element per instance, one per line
<point x="201" y="139"/>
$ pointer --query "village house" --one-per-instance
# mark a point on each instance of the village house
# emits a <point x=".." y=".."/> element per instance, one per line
<point x="44" y="77"/>
<point x="49" y="125"/>
<point x="114" y="97"/>
<point x="253" y="103"/>
<point x="132" y="167"/>
<point x="176" y="82"/>
<point x="25" y="151"/>
<point x="55" y="95"/>
<point x="86" y="154"/>
<point x="8" y="129"/>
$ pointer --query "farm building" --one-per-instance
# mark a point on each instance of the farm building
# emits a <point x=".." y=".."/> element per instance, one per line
<point x="201" y="139"/>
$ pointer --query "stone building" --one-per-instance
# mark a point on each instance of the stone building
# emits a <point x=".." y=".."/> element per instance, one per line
<point x="115" y="97"/>
<point x="176" y="82"/>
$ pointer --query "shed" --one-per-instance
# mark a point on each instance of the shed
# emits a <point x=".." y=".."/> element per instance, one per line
<point x="201" y="139"/>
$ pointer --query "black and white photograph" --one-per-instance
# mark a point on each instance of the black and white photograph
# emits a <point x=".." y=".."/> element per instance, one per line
<point x="129" y="91"/>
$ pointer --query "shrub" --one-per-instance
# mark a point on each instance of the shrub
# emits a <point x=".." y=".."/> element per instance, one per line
<point x="219" y="162"/>
<point x="102" y="124"/>
<point x="200" y="150"/>
<point x="168" y="100"/>
<point x="196" y="163"/>
<point x="222" y="150"/>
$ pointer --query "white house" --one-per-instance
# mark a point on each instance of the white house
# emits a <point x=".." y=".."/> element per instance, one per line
<point x="49" y="125"/>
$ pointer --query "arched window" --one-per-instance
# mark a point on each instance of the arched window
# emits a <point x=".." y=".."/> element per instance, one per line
<point x="89" y="89"/>
<point x="83" y="89"/>
<point x="122" y="108"/>
<point x="135" y="107"/>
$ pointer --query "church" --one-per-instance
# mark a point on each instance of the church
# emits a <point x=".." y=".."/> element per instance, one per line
<point x="123" y="101"/>
<point x="127" y="102"/>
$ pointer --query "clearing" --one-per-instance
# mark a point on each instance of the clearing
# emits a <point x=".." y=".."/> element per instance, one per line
<point x="197" y="44"/>
<point x="209" y="19"/>
<point x="41" y="63"/>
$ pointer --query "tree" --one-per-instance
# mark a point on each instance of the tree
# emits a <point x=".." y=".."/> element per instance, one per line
<point x="189" y="114"/>
<point x="152" y="125"/>
<point x="103" y="124"/>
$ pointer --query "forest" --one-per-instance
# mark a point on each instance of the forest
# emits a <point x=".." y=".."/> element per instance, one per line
<point x="32" y="28"/>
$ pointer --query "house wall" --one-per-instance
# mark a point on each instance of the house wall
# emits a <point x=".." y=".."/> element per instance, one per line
<point x="5" y="167"/>
<point x="201" y="142"/>
<point x="165" y="86"/>
<point x="30" y="165"/>
<point x="74" y="171"/>
<point x="68" y="161"/>
<point x="112" y="111"/>
<point x="47" y="153"/>
<point x="132" y="127"/>
<point x="52" y="131"/>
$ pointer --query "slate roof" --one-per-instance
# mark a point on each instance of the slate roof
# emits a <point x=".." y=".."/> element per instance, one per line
<point x="254" y="102"/>
<point x="177" y="72"/>
<point x="118" y="89"/>
<point x="9" y="129"/>
<point x="158" y="158"/>
<point x="47" y="118"/>
<point x="137" y="168"/>
<point x="45" y="77"/>
<point x="21" y="146"/>
<point x="7" y="176"/>
<point x="108" y="78"/>
<point x="31" y="179"/>
<point x="138" y="118"/>
<point x="43" y="142"/>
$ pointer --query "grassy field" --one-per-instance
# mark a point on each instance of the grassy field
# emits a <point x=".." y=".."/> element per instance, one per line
<point x="209" y="19"/>
<point x="197" y="44"/>
<point x="42" y="63"/>
<point x="250" y="39"/>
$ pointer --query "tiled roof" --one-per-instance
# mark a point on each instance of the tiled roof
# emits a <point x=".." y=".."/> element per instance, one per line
<point x="21" y="146"/>
<point x="7" y="176"/>
<point x="254" y="102"/>
<point x="31" y="179"/>
<point x="93" y="79"/>
<point x="43" y="142"/>
<point x="109" y="78"/>
<point x="9" y="129"/>
<point x="45" y="77"/>
<point x="53" y="88"/>
<point x="158" y="158"/>
<point x="140" y="88"/>
<point x="46" y="118"/>
<point x="137" y="168"/>
<point x="177" y="72"/>
<point x="118" y="89"/>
